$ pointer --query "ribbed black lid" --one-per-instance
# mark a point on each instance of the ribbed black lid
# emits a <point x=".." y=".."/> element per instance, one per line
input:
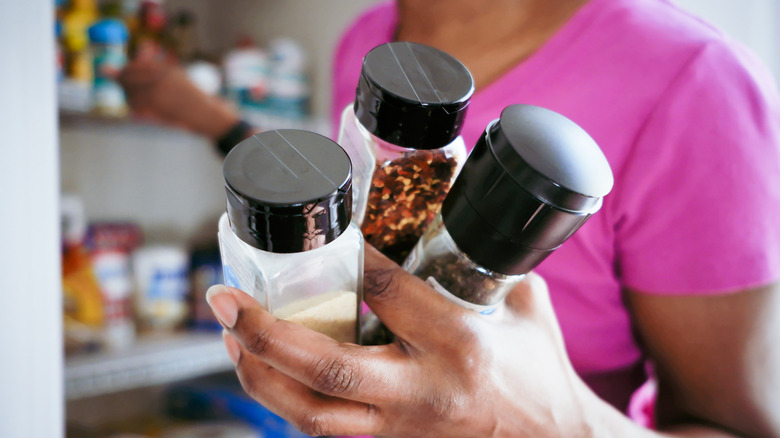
<point x="531" y="181"/>
<point x="413" y="95"/>
<point x="288" y="190"/>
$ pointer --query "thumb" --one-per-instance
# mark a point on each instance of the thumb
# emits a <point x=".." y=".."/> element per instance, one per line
<point x="530" y="301"/>
<point x="530" y="298"/>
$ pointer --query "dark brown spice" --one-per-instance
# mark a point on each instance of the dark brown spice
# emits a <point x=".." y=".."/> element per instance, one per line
<point x="460" y="278"/>
<point x="405" y="195"/>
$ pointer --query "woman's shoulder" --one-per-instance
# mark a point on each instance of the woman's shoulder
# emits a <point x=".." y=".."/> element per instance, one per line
<point x="686" y="57"/>
<point x="643" y="56"/>
<point x="667" y="33"/>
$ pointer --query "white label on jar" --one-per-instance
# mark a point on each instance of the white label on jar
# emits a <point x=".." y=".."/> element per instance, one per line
<point x="238" y="269"/>
<point x="161" y="274"/>
<point x="112" y="269"/>
<point x="485" y="310"/>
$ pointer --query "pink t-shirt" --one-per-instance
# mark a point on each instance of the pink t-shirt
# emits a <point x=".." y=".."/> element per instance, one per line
<point x="689" y="122"/>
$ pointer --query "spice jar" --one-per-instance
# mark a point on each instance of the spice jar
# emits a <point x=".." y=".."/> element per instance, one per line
<point x="108" y="39"/>
<point x="403" y="136"/>
<point x="531" y="181"/>
<point x="287" y="237"/>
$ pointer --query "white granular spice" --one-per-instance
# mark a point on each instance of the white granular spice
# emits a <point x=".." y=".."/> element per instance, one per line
<point x="332" y="313"/>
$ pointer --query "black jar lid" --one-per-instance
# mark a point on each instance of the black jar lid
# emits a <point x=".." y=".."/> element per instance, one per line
<point x="288" y="190"/>
<point x="531" y="181"/>
<point x="413" y="95"/>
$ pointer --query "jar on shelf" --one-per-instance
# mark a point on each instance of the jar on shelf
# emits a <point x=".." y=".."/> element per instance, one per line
<point x="108" y="43"/>
<point x="532" y="180"/>
<point x="287" y="237"/>
<point x="403" y="137"/>
<point x="162" y="286"/>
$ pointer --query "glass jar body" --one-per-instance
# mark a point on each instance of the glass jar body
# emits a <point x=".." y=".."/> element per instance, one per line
<point x="107" y="95"/>
<point x="320" y="289"/>
<point x="437" y="259"/>
<point x="397" y="191"/>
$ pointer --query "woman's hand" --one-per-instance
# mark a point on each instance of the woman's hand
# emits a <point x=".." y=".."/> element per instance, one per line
<point x="451" y="372"/>
<point x="158" y="90"/>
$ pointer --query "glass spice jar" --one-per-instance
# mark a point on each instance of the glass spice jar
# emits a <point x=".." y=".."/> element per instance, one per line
<point x="531" y="181"/>
<point x="403" y="136"/>
<point x="287" y="237"/>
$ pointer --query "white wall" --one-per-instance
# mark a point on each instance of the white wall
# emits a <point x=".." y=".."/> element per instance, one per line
<point x="752" y="22"/>
<point x="31" y="340"/>
<point x="167" y="181"/>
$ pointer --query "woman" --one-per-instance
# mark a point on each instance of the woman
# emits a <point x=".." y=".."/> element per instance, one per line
<point x="676" y="275"/>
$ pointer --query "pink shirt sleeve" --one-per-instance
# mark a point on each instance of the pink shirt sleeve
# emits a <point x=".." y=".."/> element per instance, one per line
<point x="700" y="208"/>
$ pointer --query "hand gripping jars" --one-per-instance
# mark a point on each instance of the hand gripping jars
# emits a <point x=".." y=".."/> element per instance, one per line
<point x="531" y="181"/>
<point x="403" y="136"/>
<point x="287" y="237"/>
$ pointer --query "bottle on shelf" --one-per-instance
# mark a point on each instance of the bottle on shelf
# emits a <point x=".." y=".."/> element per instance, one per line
<point x="247" y="68"/>
<point x="82" y="299"/>
<point x="111" y="245"/>
<point x="288" y="84"/>
<point x="108" y="44"/>
<point x="148" y="30"/>
<point x="76" y="20"/>
<point x="74" y="90"/>
<point x="161" y="272"/>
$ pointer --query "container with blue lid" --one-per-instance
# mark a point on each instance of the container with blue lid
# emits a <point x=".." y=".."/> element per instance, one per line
<point x="108" y="41"/>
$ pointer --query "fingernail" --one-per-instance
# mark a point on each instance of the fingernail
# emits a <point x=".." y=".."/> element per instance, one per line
<point x="223" y="305"/>
<point x="231" y="344"/>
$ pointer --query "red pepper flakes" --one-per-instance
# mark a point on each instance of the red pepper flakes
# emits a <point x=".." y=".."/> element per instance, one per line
<point x="405" y="195"/>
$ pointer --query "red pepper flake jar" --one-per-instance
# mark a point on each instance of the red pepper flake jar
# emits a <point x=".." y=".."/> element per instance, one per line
<point x="403" y="137"/>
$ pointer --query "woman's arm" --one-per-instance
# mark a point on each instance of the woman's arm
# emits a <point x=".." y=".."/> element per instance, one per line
<point x="716" y="358"/>
<point x="455" y="373"/>
<point x="160" y="91"/>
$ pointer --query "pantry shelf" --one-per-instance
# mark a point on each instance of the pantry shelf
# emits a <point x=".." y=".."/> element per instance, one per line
<point x="151" y="361"/>
<point x="88" y="120"/>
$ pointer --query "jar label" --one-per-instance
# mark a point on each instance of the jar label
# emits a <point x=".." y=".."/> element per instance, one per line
<point x="239" y="272"/>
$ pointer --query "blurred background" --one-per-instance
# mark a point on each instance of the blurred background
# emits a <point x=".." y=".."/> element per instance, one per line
<point x="109" y="226"/>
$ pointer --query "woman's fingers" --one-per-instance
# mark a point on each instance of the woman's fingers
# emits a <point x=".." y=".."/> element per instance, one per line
<point x="408" y="306"/>
<point x="313" y="413"/>
<point x="368" y="374"/>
